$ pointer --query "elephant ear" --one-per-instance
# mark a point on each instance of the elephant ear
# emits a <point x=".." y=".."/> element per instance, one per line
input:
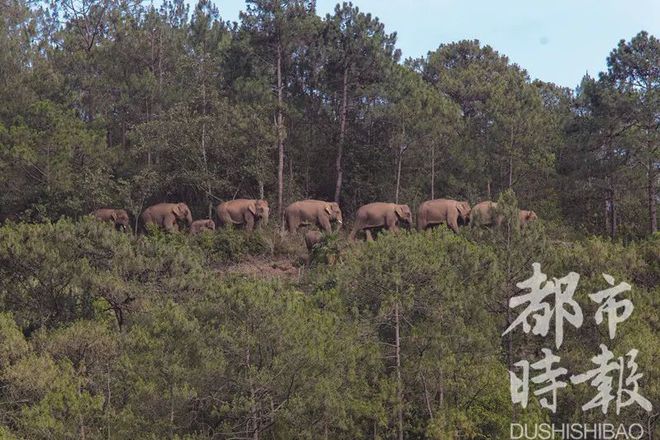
<point x="328" y="208"/>
<point x="399" y="211"/>
<point x="252" y="207"/>
<point x="113" y="216"/>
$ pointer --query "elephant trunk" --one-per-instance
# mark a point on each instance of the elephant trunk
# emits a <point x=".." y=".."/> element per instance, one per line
<point x="264" y="219"/>
<point x="189" y="219"/>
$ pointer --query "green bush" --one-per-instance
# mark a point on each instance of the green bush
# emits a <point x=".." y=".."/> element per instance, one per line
<point x="227" y="245"/>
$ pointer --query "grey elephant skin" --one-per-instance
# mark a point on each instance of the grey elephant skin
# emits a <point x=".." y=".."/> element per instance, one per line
<point x="199" y="226"/>
<point x="485" y="214"/>
<point x="380" y="215"/>
<point x="312" y="212"/>
<point x="312" y="238"/>
<point x="118" y="217"/>
<point x="167" y="215"/>
<point x="243" y="212"/>
<point x="443" y="211"/>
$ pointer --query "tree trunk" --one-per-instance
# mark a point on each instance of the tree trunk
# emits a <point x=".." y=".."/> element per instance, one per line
<point x="280" y="134"/>
<point x="427" y="398"/>
<point x="342" y="135"/>
<point x="83" y="435"/>
<point x="399" y="387"/>
<point x="607" y="213"/>
<point x="253" y="408"/>
<point x="610" y="212"/>
<point x="204" y="155"/>
<point x="107" y="404"/>
<point x="432" y="171"/>
<point x="402" y="149"/>
<point x="398" y="174"/>
<point x="511" y="160"/>
<point x="653" y="215"/>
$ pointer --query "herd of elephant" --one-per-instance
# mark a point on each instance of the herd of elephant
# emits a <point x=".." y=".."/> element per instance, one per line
<point x="248" y="213"/>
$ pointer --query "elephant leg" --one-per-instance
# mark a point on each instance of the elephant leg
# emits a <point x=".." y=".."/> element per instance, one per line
<point x="370" y="237"/>
<point x="391" y="223"/>
<point x="225" y="219"/>
<point x="249" y="222"/>
<point x="325" y="225"/>
<point x="453" y="225"/>
<point x="292" y="225"/>
<point x="169" y="223"/>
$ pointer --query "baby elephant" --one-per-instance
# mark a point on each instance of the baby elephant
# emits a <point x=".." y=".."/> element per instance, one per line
<point x="201" y="226"/>
<point x="380" y="215"/>
<point x="312" y="238"/>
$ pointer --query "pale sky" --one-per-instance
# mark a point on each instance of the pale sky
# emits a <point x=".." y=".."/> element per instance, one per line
<point x="557" y="41"/>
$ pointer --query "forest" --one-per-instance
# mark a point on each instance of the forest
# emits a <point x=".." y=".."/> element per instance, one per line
<point x="239" y="334"/>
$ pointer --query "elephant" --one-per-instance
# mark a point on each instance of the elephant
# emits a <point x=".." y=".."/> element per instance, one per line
<point x="119" y="217"/>
<point x="485" y="214"/>
<point x="451" y="212"/>
<point x="380" y="215"/>
<point x="243" y="212"/>
<point x="166" y="215"/>
<point x="202" y="225"/>
<point x="525" y="216"/>
<point x="312" y="238"/>
<point x="312" y="212"/>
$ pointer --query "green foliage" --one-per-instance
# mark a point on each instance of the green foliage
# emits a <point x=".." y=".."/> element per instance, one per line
<point x="136" y="336"/>
<point x="61" y="272"/>
<point x="329" y="250"/>
<point x="231" y="245"/>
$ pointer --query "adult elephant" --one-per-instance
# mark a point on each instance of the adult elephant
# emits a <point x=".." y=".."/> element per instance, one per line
<point x="485" y="213"/>
<point x="202" y="225"/>
<point x="167" y="216"/>
<point x="450" y="212"/>
<point x="118" y="217"/>
<point x="245" y="212"/>
<point x="312" y="212"/>
<point x="380" y="215"/>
